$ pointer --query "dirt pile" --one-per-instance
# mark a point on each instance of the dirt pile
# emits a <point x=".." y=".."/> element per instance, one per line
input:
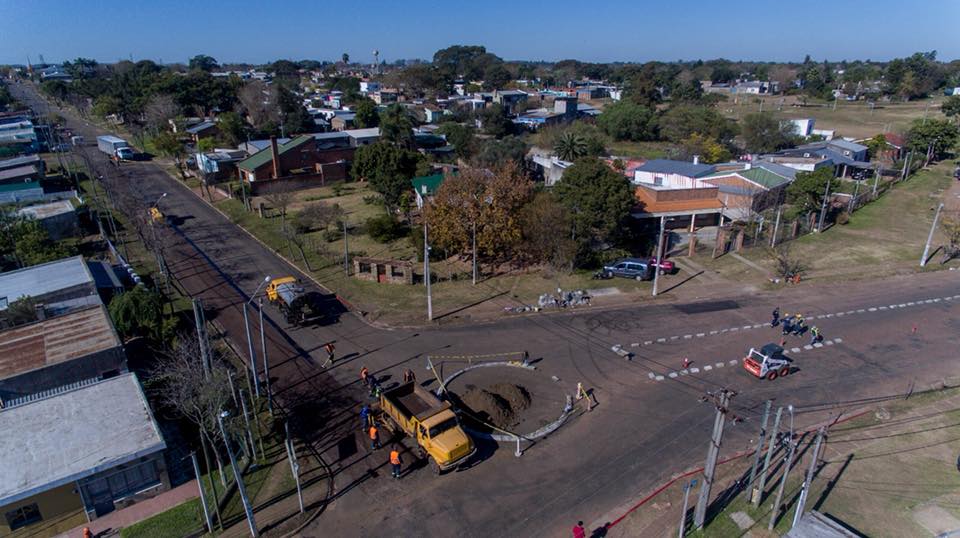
<point x="499" y="404"/>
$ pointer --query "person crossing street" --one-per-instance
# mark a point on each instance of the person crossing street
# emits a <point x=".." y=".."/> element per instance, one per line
<point x="365" y="416"/>
<point x="395" y="461"/>
<point x="815" y="336"/>
<point x="798" y="327"/>
<point x="775" y="317"/>
<point x="328" y="347"/>
<point x="787" y="324"/>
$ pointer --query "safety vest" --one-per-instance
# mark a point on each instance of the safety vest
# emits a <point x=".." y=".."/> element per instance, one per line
<point x="394" y="457"/>
<point x="373" y="432"/>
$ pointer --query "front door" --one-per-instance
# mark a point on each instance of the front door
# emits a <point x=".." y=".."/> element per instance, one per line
<point x="100" y="497"/>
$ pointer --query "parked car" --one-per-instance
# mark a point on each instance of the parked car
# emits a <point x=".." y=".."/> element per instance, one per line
<point x="629" y="268"/>
<point x="667" y="267"/>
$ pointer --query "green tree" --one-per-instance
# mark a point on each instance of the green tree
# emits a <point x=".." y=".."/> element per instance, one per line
<point x="762" y="133"/>
<point x="232" y="128"/>
<point x="388" y="168"/>
<point x="367" y="114"/>
<point x="202" y="62"/>
<point x="936" y="135"/>
<point x="598" y="199"/>
<point x="495" y="121"/>
<point x="546" y="232"/>
<point x="806" y="192"/>
<point x="462" y="138"/>
<point x="570" y="146"/>
<point x="32" y="244"/>
<point x="396" y="127"/>
<point x="168" y="145"/>
<point x="57" y="89"/>
<point x="345" y="58"/>
<point x="496" y="76"/>
<point x="495" y="152"/>
<point x="626" y="120"/>
<point x="105" y="105"/>
<point x="206" y="144"/>
<point x="709" y="150"/>
<point x="951" y="107"/>
<point x="876" y="145"/>
<point x="679" y="122"/>
<point x="139" y="312"/>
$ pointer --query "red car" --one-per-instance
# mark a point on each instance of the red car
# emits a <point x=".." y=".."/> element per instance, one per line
<point x="666" y="266"/>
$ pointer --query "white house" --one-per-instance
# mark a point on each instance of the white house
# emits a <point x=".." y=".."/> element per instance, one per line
<point x="369" y="86"/>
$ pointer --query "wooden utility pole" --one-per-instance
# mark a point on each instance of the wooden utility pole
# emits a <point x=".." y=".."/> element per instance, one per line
<point x="722" y="402"/>
<point x="786" y="472"/>
<point x="766" y="462"/>
<point x="760" y="439"/>
<point x="806" y="483"/>
<point x="933" y="228"/>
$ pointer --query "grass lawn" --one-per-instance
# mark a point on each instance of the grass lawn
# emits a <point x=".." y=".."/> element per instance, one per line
<point x="851" y="118"/>
<point x="180" y="520"/>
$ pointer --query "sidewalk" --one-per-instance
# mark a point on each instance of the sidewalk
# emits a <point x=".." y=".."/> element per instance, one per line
<point x="114" y="521"/>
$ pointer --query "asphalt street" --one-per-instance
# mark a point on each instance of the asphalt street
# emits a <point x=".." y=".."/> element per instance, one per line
<point x="642" y="431"/>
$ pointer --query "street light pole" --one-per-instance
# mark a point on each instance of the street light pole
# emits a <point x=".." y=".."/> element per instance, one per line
<point x="474" y="251"/>
<point x="266" y="365"/>
<point x="246" y="326"/>
<point x="823" y="207"/>
<point x="933" y="228"/>
<point x="426" y="271"/>
<point x="656" y="273"/>
<point x="236" y="475"/>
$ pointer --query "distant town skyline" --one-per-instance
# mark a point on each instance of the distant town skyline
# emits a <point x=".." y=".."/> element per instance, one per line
<point x="244" y="31"/>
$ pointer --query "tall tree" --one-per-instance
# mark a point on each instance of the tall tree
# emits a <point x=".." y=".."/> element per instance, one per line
<point x="806" y="192"/>
<point x="762" y="133"/>
<point x="936" y="135"/>
<point x="461" y="137"/>
<point x="628" y="121"/>
<point x="388" y="168"/>
<point x="598" y="198"/>
<point x="202" y="62"/>
<point x="570" y="146"/>
<point x="546" y="232"/>
<point x="367" y="114"/>
<point x="396" y="127"/>
<point x="139" y="312"/>
<point x="679" y="122"/>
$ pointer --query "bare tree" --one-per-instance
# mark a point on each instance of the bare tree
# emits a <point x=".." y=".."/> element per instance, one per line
<point x="786" y="265"/>
<point x="159" y="110"/>
<point x="261" y="105"/>
<point x="951" y="228"/>
<point x="281" y="200"/>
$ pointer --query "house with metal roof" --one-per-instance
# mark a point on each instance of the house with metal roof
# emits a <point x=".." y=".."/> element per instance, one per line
<point x="58" y="285"/>
<point x="58" y="218"/>
<point x="78" y="453"/>
<point x="667" y="172"/>
<point x="203" y="129"/>
<point x="303" y="162"/>
<point x="425" y="187"/>
<point x="746" y="192"/>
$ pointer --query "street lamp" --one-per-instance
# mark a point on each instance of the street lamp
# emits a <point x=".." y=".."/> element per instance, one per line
<point x="157" y="203"/>
<point x="426" y="271"/>
<point x="236" y="475"/>
<point x="246" y="325"/>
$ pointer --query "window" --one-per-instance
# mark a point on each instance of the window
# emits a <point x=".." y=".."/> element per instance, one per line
<point x="125" y="482"/>
<point x="23" y="516"/>
<point x="658" y="181"/>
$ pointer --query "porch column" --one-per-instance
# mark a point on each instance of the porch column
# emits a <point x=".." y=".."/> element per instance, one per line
<point x="693" y="237"/>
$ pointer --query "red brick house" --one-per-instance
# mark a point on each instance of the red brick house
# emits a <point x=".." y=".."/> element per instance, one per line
<point x="300" y="163"/>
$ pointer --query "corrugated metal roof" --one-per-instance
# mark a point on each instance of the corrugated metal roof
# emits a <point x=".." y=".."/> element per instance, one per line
<point x="683" y="168"/>
<point x="56" y="340"/>
<point x="761" y="176"/>
<point x="20" y="171"/>
<point x="73" y="435"/>
<point x="42" y="279"/>
<point x="427" y="185"/>
<point x="264" y="156"/>
<point x="15" y="162"/>
<point x="42" y="211"/>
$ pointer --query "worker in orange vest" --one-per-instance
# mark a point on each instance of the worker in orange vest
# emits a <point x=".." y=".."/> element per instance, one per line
<point x="365" y="376"/>
<point x="374" y="437"/>
<point x="87" y="533"/>
<point x="328" y="347"/>
<point x="395" y="461"/>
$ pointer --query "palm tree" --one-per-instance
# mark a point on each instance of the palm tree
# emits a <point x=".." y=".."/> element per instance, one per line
<point x="570" y="146"/>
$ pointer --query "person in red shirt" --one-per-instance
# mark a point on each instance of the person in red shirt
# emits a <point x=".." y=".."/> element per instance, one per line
<point x="579" y="531"/>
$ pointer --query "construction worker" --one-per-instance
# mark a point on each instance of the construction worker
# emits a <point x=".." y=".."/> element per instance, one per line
<point x="375" y="388"/>
<point x="365" y="376"/>
<point x="395" y="461"/>
<point x="365" y="416"/>
<point x="87" y="533"/>
<point x="798" y="327"/>
<point x="374" y="437"/>
<point x="815" y="335"/>
<point x="787" y="324"/>
<point x="775" y="317"/>
<point x="328" y="347"/>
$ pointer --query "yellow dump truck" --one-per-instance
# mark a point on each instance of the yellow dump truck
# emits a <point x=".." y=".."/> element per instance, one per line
<point x="418" y="413"/>
<point x="298" y="305"/>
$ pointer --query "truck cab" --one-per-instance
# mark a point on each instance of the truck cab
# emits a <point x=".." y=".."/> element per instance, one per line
<point x="442" y="438"/>
<point x="125" y="153"/>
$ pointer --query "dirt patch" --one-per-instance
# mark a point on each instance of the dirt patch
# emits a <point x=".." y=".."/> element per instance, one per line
<point x="499" y="404"/>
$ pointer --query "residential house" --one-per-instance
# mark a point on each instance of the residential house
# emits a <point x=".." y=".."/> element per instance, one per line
<point x="27" y="173"/>
<point x="203" y="130"/>
<point x="547" y="166"/>
<point x="846" y="157"/>
<point x="805" y="127"/>
<point x="58" y="218"/>
<point x="363" y="137"/>
<point x="302" y="162"/>
<point x="220" y="164"/>
<point x="509" y="99"/>
<point x="55" y="72"/>
<point x="59" y="286"/>
<point x="386" y="96"/>
<point x="433" y="114"/>
<point x="755" y="188"/>
<point x="669" y="173"/>
<point x="76" y="454"/>
<point x="342" y="122"/>
<point x="254" y="146"/>
<point x="369" y="86"/>
<point x="18" y="137"/>
<point x="954" y="90"/>
<point x="24" y="160"/>
<point x="564" y="111"/>
<point x="425" y="187"/>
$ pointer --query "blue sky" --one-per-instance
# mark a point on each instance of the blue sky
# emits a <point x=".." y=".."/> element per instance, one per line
<point x="615" y="30"/>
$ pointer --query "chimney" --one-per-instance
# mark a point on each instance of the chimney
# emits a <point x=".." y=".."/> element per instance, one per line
<point x="276" y="157"/>
<point x="696" y="159"/>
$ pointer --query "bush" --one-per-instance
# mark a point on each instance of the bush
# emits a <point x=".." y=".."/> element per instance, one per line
<point x="843" y="218"/>
<point x="384" y="229"/>
<point x="332" y="235"/>
<point x="373" y="199"/>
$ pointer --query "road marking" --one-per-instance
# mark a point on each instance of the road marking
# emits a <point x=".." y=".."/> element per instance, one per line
<point x="808" y="347"/>
<point x="672" y="374"/>
<point x="892" y="306"/>
<point x="911" y="303"/>
<point x="707" y="368"/>
<point x="661" y="339"/>
<point x="659" y="378"/>
<point x="719" y="365"/>
<point x="956" y="296"/>
<point x="758" y="325"/>
<point x="829" y="342"/>
<point x="817" y="344"/>
<point x="674" y="337"/>
<point x="838" y="340"/>
<point x="635" y="344"/>
<point x="882" y="308"/>
<point x="694" y="370"/>
<point x="795" y="349"/>
<point x="648" y="342"/>
<point x="828" y="316"/>
<point x="901" y="305"/>
<point x="714" y="332"/>
<point x="687" y="336"/>
<point x="860" y="311"/>
<point x="748" y="327"/>
<point x="724" y="330"/>
<point x="733" y="329"/>
<point x="937" y="300"/>
<point x="928" y="301"/>
<point x="839" y="314"/>
<point x="684" y="372"/>
<point x="699" y="335"/>
<point x="849" y="312"/>
<point x="652" y="375"/>
<point x="733" y="362"/>
<point x="872" y="309"/>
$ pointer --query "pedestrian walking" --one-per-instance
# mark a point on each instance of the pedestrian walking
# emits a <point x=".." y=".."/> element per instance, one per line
<point x="328" y="347"/>
<point x="408" y="375"/>
<point x="374" y="437"/>
<point x="365" y="417"/>
<point x="579" y="531"/>
<point x="365" y="376"/>
<point x="787" y="325"/>
<point x="395" y="462"/>
<point x="775" y="317"/>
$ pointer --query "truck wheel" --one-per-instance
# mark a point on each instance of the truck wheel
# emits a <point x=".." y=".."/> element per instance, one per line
<point x="772" y="375"/>
<point x="784" y="371"/>
<point x="435" y="468"/>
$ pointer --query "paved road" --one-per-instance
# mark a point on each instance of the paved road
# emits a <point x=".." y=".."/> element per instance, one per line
<point x="642" y="431"/>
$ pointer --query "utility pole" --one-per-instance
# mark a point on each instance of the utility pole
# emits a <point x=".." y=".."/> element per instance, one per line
<point x="933" y="228"/>
<point x="253" y="358"/>
<point x="236" y="475"/>
<point x="246" y="419"/>
<point x="806" y="483"/>
<point x="294" y="464"/>
<point x="346" y="250"/>
<point x="426" y="271"/>
<point x="760" y="440"/>
<point x="656" y="270"/>
<point x="876" y="180"/>
<point x="202" y="335"/>
<point x="474" y="251"/>
<point x="766" y="462"/>
<point x="906" y="165"/>
<point x="786" y="472"/>
<point x="203" y="496"/>
<point x="776" y="227"/>
<point x="683" y="514"/>
<point x="823" y="207"/>
<point x="722" y="401"/>
<point x="266" y="365"/>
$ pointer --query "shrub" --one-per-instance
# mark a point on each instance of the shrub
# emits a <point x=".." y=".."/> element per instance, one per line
<point x="384" y="229"/>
